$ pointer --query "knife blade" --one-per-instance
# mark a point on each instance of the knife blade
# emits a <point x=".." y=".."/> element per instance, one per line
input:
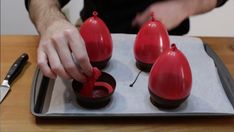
<point x="13" y="72"/>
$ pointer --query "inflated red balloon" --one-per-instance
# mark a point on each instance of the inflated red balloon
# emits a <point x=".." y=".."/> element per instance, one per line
<point x="151" y="41"/>
<point x="170" y="79"/>
<point x="98" y="40"/>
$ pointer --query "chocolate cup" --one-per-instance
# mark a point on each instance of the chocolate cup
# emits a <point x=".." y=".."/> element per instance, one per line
<point x="146" y="67"/>
<point x="165" y="103"/>
<point x="102" y="98"/>
<point x="100" y="64"/>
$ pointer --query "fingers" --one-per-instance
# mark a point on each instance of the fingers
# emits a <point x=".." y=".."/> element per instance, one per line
<point x="57" y="53"/>
<point x="43" y="64"/>
<point x="141" y="18"/>
<point x="61" y="45"/>
<point x="169" y="12"/>
<point x="78" y="48"/>
<point x="55" y="62"/>
<point x="55" y="50"/>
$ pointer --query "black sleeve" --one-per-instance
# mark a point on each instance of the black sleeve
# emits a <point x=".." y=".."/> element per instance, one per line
<point x="61" y="2"/>
<point x="220" y="3"/>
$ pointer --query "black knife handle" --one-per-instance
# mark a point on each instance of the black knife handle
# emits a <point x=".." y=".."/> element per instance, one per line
<point x="16" y="68"/>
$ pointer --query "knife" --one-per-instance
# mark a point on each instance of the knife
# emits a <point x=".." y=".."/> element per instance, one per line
<point x="14" y="71"/>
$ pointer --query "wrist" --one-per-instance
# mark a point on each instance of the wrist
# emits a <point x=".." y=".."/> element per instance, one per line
<point x="189" y="7"/>
<point x="194" y="7"/>
<point x="46" y="21"/>
<point x="45" y="13"/>
<point x="184" y="7"/>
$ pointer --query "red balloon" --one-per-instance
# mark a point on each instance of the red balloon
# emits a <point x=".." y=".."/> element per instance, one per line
<point x="170" y="78"/>
<point x="97" y="39"/>
<point x="151" y="41"/>
<point x="89" y="87"/>
<point x="90" y="84"/>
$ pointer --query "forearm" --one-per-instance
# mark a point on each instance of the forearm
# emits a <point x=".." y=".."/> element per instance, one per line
<point x="195" y="7"/>
<point x="43" y="13"/>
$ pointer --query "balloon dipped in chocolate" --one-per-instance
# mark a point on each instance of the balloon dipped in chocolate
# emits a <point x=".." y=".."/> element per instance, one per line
<point x="151" y="41"/>
<point x="97" y="40"/>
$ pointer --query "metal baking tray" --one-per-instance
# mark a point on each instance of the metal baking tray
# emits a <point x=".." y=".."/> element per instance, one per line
<point x="42" y="88"/>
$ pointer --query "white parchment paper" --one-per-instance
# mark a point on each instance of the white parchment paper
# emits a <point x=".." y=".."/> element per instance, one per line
<point x="207" y="95"/>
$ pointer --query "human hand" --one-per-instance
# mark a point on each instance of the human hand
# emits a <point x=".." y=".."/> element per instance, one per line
<point x="170" y="12"/>
<point x="54" y="54"/>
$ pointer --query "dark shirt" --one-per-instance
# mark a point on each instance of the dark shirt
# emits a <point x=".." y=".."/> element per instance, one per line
<point x="118" y="14"/>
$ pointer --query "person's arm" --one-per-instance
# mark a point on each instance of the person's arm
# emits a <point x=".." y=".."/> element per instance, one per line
<point x="59" y="40"/>
<point x="61" y="2"/>
<point x="44" y="13"/>
<point x="172" y="12"/>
